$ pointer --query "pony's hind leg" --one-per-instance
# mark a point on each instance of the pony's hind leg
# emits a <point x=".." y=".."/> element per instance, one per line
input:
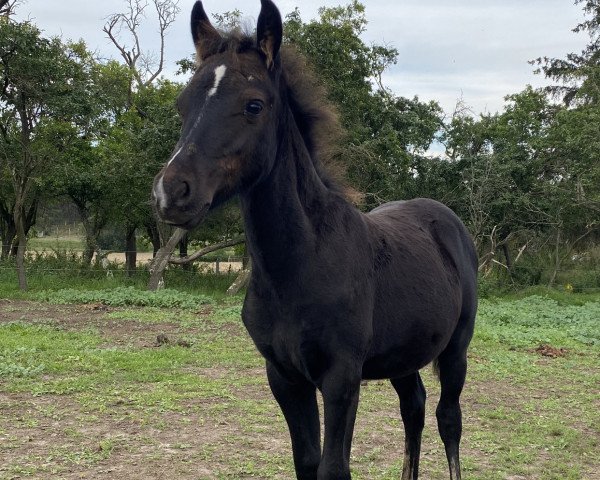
<point x="412" y="395"/>
<point x="452" y="371"/>
<point x="298" y="402"/>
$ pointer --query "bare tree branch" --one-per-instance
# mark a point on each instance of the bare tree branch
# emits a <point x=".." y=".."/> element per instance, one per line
<point x="144" y="67"/>
<point x="131" y="22"/>
<point x="7" y="7"/>
<point x="161" y="260"/>
<point x="167" y="11"/>
<point x="210" y="248"/>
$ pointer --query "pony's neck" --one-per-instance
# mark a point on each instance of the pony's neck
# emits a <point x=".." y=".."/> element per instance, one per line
<point x="282" y="212"/>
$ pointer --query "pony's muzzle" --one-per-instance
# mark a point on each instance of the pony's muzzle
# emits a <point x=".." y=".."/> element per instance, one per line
<point x="177" y="201"/>
<point x="170" y="191"/>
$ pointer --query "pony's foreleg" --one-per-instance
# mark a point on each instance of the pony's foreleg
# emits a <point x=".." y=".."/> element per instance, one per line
<point x="298" y="402"/>
<point x="340" y="388"/>
<point x="412" y="395"/>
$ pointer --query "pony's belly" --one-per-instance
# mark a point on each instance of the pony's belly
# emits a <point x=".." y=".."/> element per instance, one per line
<point x="397" y="363"/>
<point x="404" y="345"/>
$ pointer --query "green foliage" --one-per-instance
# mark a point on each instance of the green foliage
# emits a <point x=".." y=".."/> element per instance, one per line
<point x="17" y="363"/>
<point x="124" y="296"/>
<point x="579" y="73"/>
<point x="536" y="320"/>
<point x="528" y="175"/>
<point x="62" y="269"/>
<point x="31" y="350"/>
<point x="227" y="314"/>
<point x="383" y="131"/>
<point x="46" y="105"/>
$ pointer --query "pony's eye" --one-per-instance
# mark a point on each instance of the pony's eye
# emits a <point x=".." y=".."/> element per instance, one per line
<point x="253" y="108"/>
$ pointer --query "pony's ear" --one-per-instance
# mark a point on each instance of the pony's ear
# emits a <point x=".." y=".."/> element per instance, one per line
<point x="269" y="31"/>
<point x="204" y="34"/>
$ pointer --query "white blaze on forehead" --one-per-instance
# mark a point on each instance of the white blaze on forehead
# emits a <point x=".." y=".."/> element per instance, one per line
<point x="219" y="74"/>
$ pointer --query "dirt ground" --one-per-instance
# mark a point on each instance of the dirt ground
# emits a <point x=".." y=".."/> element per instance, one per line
<point x="42" y="429"/>
<point x="57" y="437"/>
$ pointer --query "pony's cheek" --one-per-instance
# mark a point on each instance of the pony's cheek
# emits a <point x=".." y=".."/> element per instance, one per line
<point x="232" y="170"/>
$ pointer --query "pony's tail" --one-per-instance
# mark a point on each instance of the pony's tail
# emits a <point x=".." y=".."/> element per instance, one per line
<point x="435" y="365"/>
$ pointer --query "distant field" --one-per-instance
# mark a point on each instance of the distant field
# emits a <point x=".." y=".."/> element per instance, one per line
<point x="86" y="391"/>
<point x="62" y="242"/>
<point x="73" y="243"/>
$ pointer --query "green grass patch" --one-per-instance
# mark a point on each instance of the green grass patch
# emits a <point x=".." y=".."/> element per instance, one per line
<point x="56" y="243"/>
<point x="536" y="320"/>
<point x="126" y="296"/>
<point x="64" y="271"/>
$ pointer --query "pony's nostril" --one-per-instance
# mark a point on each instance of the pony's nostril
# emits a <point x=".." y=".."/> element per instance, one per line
<point x="185" y="189"/>
<point x="182" y="190"/>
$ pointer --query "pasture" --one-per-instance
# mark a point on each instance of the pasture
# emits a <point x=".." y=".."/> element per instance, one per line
<point x="175" y="389"/>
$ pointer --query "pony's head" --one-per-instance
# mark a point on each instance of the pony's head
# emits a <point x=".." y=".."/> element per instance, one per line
<point x="229" y="111"/>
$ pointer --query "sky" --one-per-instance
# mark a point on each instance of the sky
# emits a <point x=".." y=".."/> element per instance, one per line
<point x="474" y="50"/>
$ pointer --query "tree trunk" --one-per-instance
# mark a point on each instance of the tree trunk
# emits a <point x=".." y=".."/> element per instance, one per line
<point x="154" y="235"/>
<point x="507" y="258"/>
<point x="161" y="260"/>
<point x="8" y="232"/>
<point x="183" y="252"/>
<point x="92" y="227"/>
<point x="556" y="258"/>
<point x="91" y="245"/>
<point x="130" y="251"/>
<point x="211" y="248"/>
<point x="245" y="258"/>
<point x="241" y="281"/>
<point x="22" y="243"/>
<point x="8" y="241"/>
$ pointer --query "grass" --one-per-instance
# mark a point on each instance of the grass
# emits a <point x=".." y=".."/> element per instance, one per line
<point x="56" y="243"/>
<point x="125" y="296"/>
<point x="112" y="399"/>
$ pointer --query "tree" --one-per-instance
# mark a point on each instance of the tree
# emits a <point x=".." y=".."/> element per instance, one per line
<point x="500" y="160"/>
<point x="134" y="150"/>
<point x="573" y="158"/>
<point x="144" y="69"/>
<point x="78" y="170"/>
<point x="578" y="73"/>
<point x="143" y="66"/>
<point x="41" y="82"/>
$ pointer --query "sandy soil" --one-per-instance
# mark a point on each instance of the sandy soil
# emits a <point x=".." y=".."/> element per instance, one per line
<point x="143" y="258"/>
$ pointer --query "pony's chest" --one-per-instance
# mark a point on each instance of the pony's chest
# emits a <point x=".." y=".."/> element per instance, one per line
<point x="286" y="339"/>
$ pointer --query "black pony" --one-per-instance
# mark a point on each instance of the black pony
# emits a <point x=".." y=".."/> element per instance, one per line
<point x="336" y="296"/>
